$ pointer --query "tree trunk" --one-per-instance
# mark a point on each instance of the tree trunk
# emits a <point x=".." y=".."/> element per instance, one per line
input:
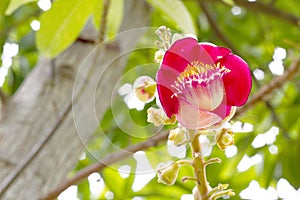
<point x="44" y="125"/>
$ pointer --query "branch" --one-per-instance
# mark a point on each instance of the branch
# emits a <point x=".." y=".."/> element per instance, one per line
<point x="269" y="10"/>
<point x="264" y="92"/>
<point x="266" y="9"/>
<point x="215" y="27"/>
<point x="107" y="160"/>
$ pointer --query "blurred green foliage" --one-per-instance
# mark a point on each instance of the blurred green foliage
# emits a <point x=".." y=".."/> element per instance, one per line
<point x="254" y="34"/>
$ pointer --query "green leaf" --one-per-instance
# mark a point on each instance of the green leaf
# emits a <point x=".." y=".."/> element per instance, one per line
<point x="84" y="190"/>
<point x="61" y="25"/>
<point x="114" y="17"/>
<point x="15" y="4"/>
<point x="97" y="13"/>
<point x="177" y="11"/>
<point x="121" y="187"/>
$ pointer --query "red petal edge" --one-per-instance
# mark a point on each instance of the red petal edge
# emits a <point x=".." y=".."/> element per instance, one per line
<point x="238" y="81"/>
<point x="175" y="60"/>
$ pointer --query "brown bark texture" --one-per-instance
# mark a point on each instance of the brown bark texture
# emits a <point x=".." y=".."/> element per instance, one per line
<point x="44" y="126"/>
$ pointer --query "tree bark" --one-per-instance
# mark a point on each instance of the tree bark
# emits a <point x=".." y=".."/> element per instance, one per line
<point x="58" y="107"/>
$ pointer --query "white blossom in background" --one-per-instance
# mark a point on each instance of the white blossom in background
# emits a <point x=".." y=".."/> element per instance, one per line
<point x="267" y="138"/>
<point x="96" y="184"/>
<point x="9" y="51"/>
<point x="44" y="4"/>
<point x="276" y="66"/>
<point x="177" y="151"/>
<point x="236" y="10"/>
<point x="284" y="191"/>
<point x="35" y="25"/>
<point x="255" y="192"/>
<point x="70" y="193"/>
<point x="144" y="172"/>
<point x="141" y="92"/>
<point x="259" y="74"/>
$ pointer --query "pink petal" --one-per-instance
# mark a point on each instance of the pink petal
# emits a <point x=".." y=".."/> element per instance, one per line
<point x="222" y="110"/>
<point x="193" y="118"/>
<point x="181" y="53"/>
<point x="175" y="60"/>
<point x="238" y="81"/>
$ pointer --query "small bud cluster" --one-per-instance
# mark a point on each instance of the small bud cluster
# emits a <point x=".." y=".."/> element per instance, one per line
<point x="164" y="35"/>
<point x="179" y="136"/>
<point x="158" y="117"/>
<point x="224" y="138"/>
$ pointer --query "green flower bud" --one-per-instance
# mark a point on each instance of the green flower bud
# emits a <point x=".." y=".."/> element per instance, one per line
<point x="168" y="174"/>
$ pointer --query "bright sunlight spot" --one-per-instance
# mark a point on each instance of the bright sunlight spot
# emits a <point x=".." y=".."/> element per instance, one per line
<point x="231" y="151"/>
<point x="248" y="162"/>
<point x="9" y="51"/>
<point x="109" y="195"/>
<point x="96" y="185"/>
<point x="236" y="10"/>
<point x="124" y="171"/>
<point x="144" y="171"/>
<point x="284" y="191"/>
<point x="82" y="156"/>
<point x="44" y="4"/>
<point x="138" y="198"/>
<point x="279" y="53"/>
<point x="255" y="192"/>
<point x="276" y="66"/>
<point x="35" y="25"/>
<point x="259" y="74"/>
<point x="239" y="127"/>
<point x="69" y="194"/>
<point x="267" y="138"/>
<point x="176" y="151"/>
<point x="187" y="197"/>
<point x="273" y="149"/>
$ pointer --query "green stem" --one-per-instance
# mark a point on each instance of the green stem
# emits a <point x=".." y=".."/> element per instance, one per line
<point x="199" y="168"/>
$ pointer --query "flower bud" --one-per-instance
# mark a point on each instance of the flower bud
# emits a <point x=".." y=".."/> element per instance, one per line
<point x="178" y="135"/>
<point x="145" y="88"/>
<point x="158" y="117"/>
<point x="224" y="138"/>
<point x="159" y="55"/>
<point x="168" y="174"/>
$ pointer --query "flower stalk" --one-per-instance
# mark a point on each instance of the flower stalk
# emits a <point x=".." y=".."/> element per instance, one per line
<point x="199" y="168"/>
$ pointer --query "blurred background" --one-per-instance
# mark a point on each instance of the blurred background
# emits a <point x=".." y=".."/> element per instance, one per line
<point x="262" y="164"/>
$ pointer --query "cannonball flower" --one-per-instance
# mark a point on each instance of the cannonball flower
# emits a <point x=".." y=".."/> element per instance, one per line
<point x="201" y="83"/>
